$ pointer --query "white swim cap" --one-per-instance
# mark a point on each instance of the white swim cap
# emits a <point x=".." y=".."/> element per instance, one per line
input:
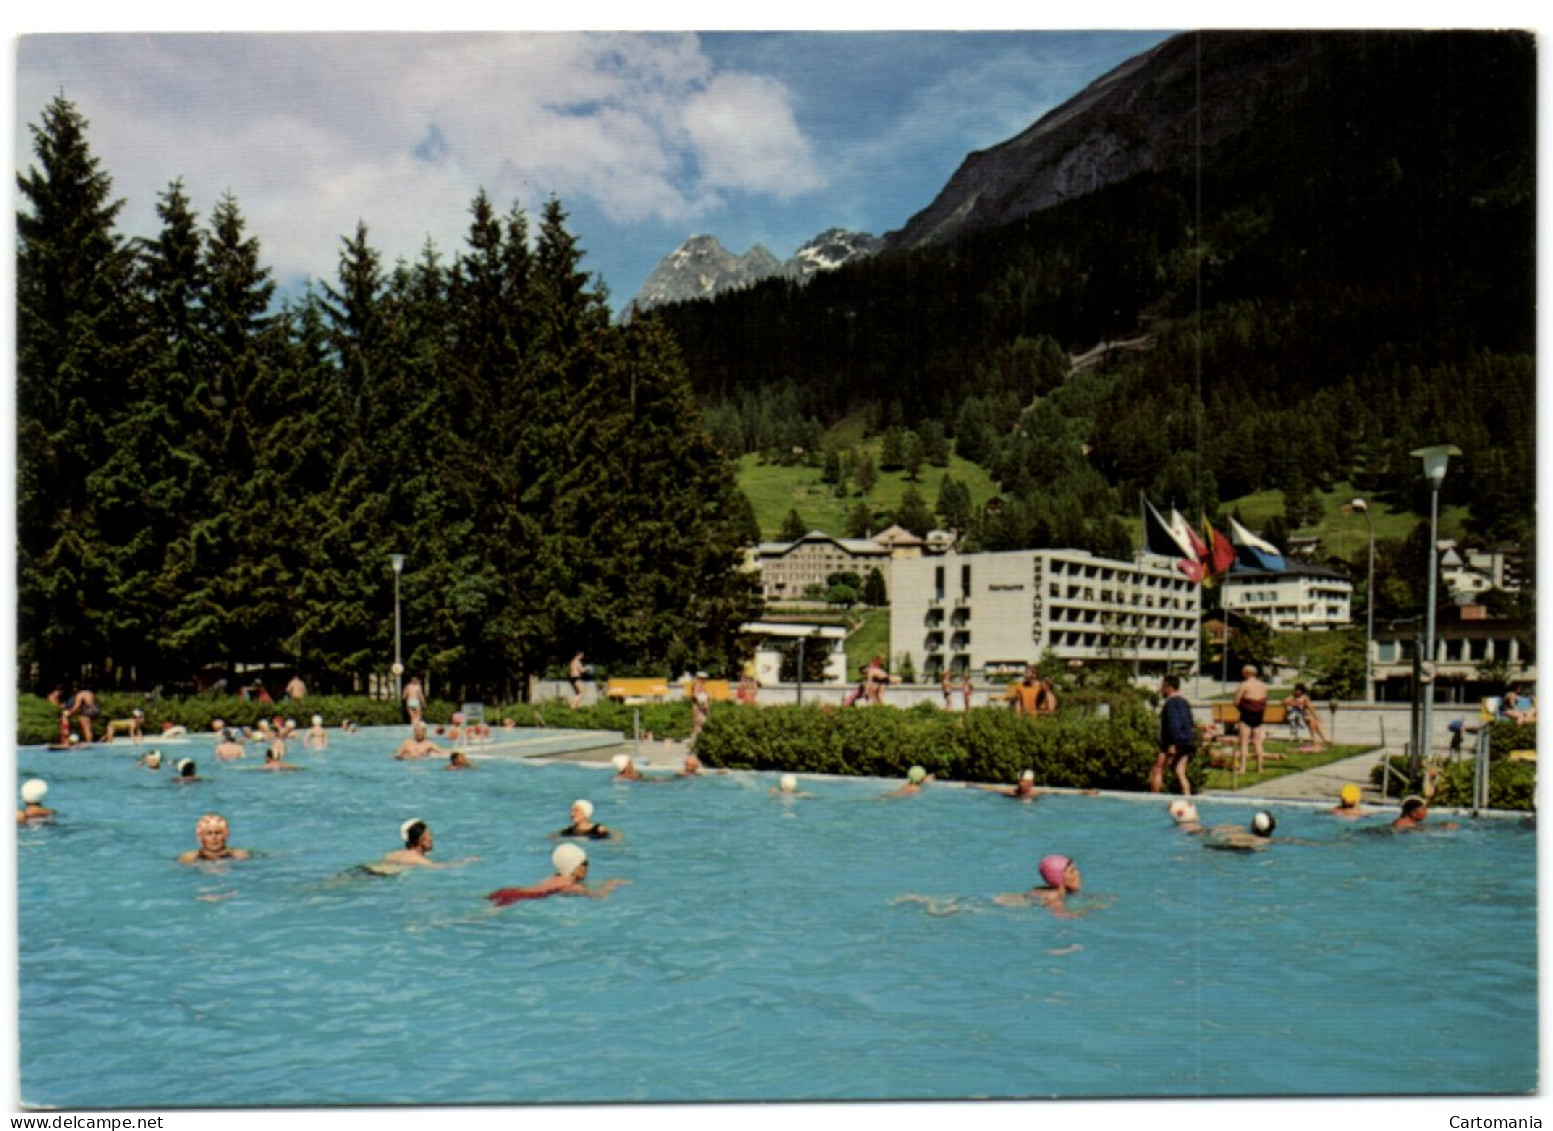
<point x="318" y="720"/>
<point x="1183" y="811"/>
<point x="620" y="761"/>
<point x="585" y="806"/>
<point x="34" y="791"/>
<point x="1264" y="823"/>
<point x="568" y="858"/>
<point x="789" y="783"/>
<point x="916" y="775"/>
<point x="154" y="759"/>
<point x="1028" y="775"/>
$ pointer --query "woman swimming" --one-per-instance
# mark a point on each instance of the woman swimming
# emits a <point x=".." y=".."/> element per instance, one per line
<point x="570" y="878"/>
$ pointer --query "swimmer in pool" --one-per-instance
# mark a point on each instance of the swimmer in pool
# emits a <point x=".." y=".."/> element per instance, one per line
<point x="317" y="737"/>
<point x="1415" y="811"/>
<point x="1062" y="879"/>
<point x="1232" y="838"/>
<point x="583" y="825"/>
<point x="1184" y="814"/>
<point x="625" y="769"/>
<point x="151" y="760"/>
<point x="417" y="745"/>
<point x="458" y="760"/>
<point x="33" y="810"/>
<point x="187" y="771"/>
<point x="211" y="830"/>
<point x="229" y="749"/>
<point x="570" y="878"/>
<point x="1348" y="804"/>
<point x="916" y="778"/>
<point x="275" y="758"/>
<point x="787" y="786"/>
<point x="418" y="843"/>
<point x="1022" y="790"/>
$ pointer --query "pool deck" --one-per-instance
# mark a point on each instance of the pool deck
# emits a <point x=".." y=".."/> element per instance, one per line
<point x="1319" y="785"/>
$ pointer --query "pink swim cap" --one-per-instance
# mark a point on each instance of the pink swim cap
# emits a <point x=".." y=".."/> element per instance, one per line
<point x="1052" y="868"/>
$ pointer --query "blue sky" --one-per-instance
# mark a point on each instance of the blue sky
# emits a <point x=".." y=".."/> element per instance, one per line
<point x="647" y="138"/>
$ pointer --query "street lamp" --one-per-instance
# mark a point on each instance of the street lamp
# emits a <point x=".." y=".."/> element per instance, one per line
<point x="1369" y="605"/>
<point x="398" y="563"/>
<point x="1435" y="458"/>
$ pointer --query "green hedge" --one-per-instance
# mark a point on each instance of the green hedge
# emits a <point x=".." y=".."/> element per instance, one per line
<point x="983" y="745"/>
<point x="37" y="721"/>
<point x="1511" y="785"/>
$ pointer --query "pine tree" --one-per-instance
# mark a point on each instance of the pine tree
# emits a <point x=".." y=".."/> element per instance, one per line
<point x="73" y="359"/>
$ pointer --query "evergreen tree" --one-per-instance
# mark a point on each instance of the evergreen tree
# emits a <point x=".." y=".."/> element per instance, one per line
<point x="74" y="337"/>
<point x="793" y="527"/>
<point x="874" y="592"/>
<point x="913" y="513"/>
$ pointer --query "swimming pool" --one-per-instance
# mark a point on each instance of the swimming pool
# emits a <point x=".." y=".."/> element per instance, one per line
<point x="759" y="953"/>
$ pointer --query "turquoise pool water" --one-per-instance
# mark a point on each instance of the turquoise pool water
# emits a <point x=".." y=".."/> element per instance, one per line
<point x="760" y="952"/>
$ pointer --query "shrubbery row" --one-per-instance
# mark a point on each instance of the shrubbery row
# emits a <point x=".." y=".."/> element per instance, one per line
<point x="980" y="745"/>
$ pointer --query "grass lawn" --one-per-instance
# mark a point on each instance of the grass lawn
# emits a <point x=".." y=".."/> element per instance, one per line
<point x="871" y="638"/>
<point x="774" y="490"/>
<point x="1293" y="762"/>
<point x="1346" y="536"/>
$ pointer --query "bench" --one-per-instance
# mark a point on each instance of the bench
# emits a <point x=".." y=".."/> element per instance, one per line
<point x="638" y="687"/>
<point x="717" y="690"/>
<point x="1226" y="713"/>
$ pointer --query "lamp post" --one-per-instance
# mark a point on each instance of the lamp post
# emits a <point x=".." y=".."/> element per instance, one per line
<point x="1369" y="606"/>
<point x="398" y="563"/>
<point x="1435" y="458"/>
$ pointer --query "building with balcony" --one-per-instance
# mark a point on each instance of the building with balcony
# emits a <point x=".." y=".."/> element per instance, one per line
<point x="1301" y="596"/>
<point x="994" y="613"/>
<point x="787" y="569"/>
<point x="1475" y="654"/>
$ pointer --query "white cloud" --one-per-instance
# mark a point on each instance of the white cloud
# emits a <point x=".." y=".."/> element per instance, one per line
<point x="312" y="133"/>
<point x="746" y="138"/>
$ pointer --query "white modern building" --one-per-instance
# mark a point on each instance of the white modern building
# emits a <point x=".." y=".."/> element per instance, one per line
<point x="995" y="613"/>
<point x="1301" y="596"/>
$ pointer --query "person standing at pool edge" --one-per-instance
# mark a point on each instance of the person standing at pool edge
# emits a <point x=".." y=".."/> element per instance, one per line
<point x="575" y="674"/>
<point x="1177" y="737"/>
<point x="1251" y="702"/>
<point x="412" y="699"/>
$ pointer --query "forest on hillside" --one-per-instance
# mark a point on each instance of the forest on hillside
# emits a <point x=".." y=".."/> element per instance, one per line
<point x="204" y="479"/>
<point x="1354" y="281"/>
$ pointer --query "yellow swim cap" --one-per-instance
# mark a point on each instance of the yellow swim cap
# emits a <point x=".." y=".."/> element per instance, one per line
<point x="1350" y="794"/>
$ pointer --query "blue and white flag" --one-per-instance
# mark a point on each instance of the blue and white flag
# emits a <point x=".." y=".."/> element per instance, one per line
<point x="1253" y="551"/>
